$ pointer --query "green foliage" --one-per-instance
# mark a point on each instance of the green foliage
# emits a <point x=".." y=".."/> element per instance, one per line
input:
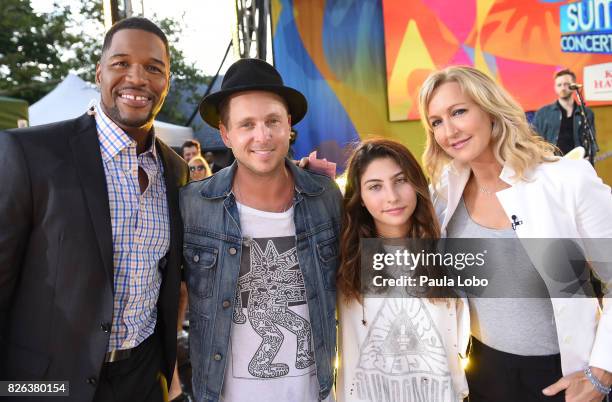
<point x="30" y="64"/>
<point x="88" y="23"/>
<point x="37" y="51"/>
<point x="186" y="78"/>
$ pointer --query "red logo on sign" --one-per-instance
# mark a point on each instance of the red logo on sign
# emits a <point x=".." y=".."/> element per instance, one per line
<point x="602" y="84"/>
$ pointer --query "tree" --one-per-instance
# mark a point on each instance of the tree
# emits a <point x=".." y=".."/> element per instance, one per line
<point x="186" y="78"/>
<point x="38" y="51"/>
<point x="88" y="21"/>
<point x="30" y="63"/>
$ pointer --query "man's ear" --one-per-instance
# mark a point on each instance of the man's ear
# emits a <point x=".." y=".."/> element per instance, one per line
<point x="224" y="136"/>
<point x="98" y="69"/>
<point x="169" y="82"/>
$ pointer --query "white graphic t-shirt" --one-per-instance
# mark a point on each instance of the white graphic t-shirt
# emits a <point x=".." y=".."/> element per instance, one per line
<point x="271" y="354"/>
<point x="398" y="356"/>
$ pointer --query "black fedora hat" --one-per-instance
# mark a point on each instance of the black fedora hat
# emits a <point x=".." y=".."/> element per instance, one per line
<point x="252" y="75"/>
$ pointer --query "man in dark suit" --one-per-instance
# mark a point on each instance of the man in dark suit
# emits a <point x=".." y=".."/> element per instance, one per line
<point x="91" y="235"/>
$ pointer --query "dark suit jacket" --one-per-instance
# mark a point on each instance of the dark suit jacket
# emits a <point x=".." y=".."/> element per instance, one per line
<point x="56" y="256"/>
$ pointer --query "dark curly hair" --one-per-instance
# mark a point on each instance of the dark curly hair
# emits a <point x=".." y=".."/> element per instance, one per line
<point x="358" y="223"/>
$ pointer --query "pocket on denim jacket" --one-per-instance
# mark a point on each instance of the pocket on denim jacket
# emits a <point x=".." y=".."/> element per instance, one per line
<point x="200" y="262"/>
<point x="327" y="251"/>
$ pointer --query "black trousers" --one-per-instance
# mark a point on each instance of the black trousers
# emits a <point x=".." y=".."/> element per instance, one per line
<point x="495" y="376"/>
<point x="135" y="379"/>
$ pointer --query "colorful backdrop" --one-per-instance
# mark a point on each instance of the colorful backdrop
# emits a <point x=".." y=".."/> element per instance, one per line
<point x="334" y="52"/>
<point x="515" y="41"/>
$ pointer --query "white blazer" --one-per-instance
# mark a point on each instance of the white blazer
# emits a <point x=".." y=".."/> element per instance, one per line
<point x="562" y="199"/>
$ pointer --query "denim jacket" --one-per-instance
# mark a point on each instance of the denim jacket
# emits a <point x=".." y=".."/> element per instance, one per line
<point x="547" y="123"/>
<point x="212" y="252"/>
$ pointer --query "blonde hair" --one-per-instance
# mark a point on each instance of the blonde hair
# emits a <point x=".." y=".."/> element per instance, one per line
<point x="199" y="158"/>
<point x="514" y="141"/>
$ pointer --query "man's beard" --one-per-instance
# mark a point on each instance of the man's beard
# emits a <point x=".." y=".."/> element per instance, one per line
<point x="115" y="114"/>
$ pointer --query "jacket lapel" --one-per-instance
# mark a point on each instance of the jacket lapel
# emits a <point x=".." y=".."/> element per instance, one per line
<point x="171" y="180"/>
<point x="174" y="177"/>
<point x="457" y="179"/>
<point x="85" y="148"/>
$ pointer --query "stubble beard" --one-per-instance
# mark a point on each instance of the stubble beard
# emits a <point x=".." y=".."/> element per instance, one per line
<point x="115" y="114"/>
<point x="566" y="98"/>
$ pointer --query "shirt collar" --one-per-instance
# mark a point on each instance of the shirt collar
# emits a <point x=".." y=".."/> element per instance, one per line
<point x="575" y="109"/>
<point x="507" y="175"/>
<point x="112" y="137"/>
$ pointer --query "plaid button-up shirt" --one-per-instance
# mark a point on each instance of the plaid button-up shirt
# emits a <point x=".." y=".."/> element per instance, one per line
<point x="141" y="232"/>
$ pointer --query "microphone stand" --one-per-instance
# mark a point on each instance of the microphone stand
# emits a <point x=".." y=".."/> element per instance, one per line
<point x="587" y="138"/>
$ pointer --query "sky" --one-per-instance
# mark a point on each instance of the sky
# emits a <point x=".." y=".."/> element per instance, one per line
<point x="207" y="27"/>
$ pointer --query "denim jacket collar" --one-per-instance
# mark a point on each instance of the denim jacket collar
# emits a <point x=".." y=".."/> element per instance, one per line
<point x="561" y="109"/>
<point x="220" y="184"/>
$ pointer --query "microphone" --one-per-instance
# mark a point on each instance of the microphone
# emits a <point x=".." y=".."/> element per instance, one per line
<point x="515" y="222"/>
<point x="575" y="86"/>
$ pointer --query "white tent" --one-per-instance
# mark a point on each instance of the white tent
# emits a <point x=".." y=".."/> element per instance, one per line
<point x="72" y="97"/>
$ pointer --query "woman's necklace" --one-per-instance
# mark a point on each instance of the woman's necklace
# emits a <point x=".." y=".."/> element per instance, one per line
<point x="485" y="190"/>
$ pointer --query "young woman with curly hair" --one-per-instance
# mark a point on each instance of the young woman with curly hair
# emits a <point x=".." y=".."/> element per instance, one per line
<point x="393" y="347"/>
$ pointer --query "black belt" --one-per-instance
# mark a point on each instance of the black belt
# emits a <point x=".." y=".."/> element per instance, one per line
<point x="122" y="354"/>
<point x="116" y="355"/>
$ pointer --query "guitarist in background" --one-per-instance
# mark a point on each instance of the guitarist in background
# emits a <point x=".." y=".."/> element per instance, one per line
<point x="560" y="123"/>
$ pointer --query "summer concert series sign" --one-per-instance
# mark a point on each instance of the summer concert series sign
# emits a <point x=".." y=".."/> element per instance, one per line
<point x="586" y="27"/>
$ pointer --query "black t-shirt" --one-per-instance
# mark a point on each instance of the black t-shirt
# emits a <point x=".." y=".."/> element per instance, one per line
<point x="565" y="142"/>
